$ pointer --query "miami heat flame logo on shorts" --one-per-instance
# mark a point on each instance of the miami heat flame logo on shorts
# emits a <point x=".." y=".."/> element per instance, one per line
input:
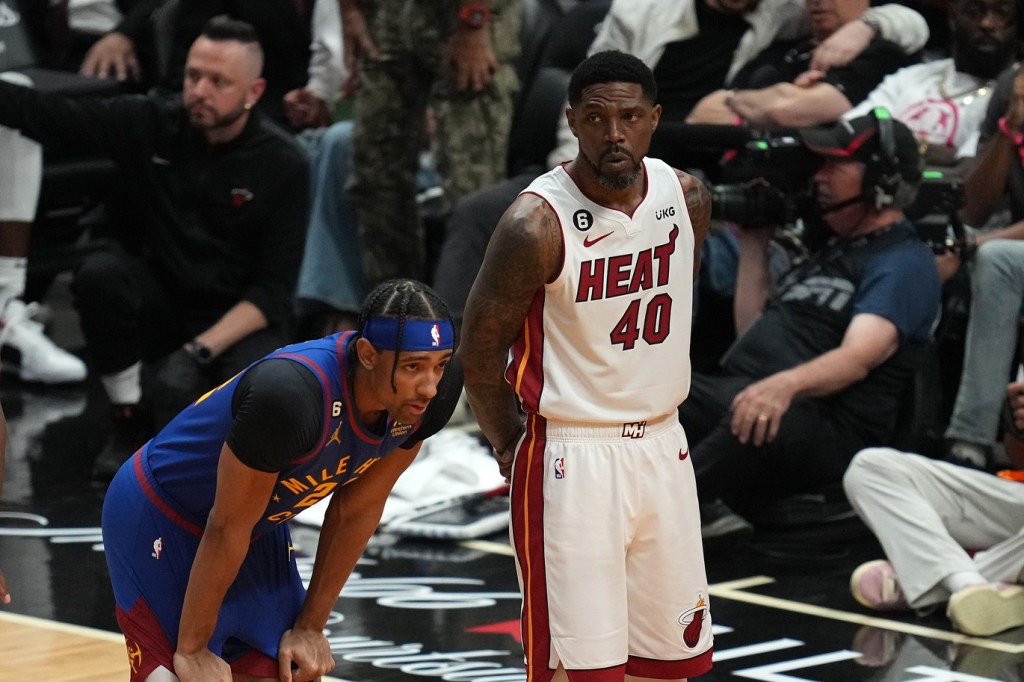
<point x="692" y="621"/>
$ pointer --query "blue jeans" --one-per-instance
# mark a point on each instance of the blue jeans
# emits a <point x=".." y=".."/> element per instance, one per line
<point x="997" y="293"/>
<point x="332" y="267"/>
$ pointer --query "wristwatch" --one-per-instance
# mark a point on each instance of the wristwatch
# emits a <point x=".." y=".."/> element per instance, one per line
<point x="474" y="15"/>
<point x="875" y="25"/>
<point x="202" y="355"/>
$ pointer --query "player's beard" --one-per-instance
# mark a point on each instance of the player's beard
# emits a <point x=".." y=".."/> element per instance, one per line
<point x="219" y="121"/>
<point x="615" y="182"/>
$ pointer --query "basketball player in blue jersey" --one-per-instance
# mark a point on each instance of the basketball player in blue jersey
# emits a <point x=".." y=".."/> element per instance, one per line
<point x="588" y="284"/>
<point x="194" y="528"/>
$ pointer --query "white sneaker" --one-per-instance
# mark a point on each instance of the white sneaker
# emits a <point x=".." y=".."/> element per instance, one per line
<point x="26" y="352"/>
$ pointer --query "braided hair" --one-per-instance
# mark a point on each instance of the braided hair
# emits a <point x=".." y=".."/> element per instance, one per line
<point x="401" y="300"/>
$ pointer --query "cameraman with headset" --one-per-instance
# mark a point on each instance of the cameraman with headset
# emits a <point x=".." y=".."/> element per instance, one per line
<point x="823" y="356"/>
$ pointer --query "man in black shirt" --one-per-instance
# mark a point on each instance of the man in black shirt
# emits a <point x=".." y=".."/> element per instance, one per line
<point x="780" y="87"/>
<point x="222" y="201"/>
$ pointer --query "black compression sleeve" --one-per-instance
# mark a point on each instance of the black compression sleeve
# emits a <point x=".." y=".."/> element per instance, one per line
<point x="440" y="410"/>
<point x="279" y="412"/>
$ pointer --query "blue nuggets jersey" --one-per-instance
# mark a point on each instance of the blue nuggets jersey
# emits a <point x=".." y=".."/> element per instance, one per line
<point x="178" y="468"/>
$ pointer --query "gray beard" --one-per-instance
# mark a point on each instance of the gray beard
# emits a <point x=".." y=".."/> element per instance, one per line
<point x="615" y="182"/>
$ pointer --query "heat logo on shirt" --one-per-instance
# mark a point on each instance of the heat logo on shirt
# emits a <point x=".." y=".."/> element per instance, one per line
<point x="626" y="273"/>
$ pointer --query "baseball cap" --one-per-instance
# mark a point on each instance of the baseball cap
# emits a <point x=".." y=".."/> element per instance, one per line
<point x="859" y="139"/>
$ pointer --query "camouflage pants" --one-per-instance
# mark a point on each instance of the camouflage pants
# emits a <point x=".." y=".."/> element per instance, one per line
<point x="390" y="112"/>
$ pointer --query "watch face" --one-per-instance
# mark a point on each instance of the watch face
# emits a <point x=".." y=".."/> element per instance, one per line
<point x="474" y="16"/>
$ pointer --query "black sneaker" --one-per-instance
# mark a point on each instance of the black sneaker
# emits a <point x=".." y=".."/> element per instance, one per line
<point x="967" y="454"/>
<point x="721" y="527"/>
<point x="131" y="428"/>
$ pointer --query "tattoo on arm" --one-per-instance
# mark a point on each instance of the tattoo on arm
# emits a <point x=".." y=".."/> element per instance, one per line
<point x="698" y="205"/>
<point x="525" y="252"/>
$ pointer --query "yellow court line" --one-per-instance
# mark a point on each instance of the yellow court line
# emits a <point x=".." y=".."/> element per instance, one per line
<point x="488" y="546"/>
<point x="82" y="631"/>
<point x="44" y="624"/>
<point x="729" y="591"/>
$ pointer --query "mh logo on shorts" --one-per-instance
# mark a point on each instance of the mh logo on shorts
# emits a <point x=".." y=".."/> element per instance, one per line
<point x="634" y="429"/>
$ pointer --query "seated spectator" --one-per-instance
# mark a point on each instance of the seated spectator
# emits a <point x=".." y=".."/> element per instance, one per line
<point x="222" y="229"/>
<point x="821" y="358"/>
<point x="951" y="535"/>
<point x="943" y="102"/>
<point x="779" y="88"/>
<point x="997" y="277"/>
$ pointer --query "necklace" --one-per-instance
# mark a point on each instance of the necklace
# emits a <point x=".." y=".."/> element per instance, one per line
<point x="965" y="96"/>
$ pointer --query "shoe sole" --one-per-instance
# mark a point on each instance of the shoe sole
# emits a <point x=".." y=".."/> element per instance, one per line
<point x="986" y="612"/>
<point x="858" y="573"/>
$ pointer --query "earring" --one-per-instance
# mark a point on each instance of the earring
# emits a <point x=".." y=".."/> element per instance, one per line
<point x="248" y="105"/>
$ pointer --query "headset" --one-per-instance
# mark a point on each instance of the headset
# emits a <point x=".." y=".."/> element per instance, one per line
<point x="884" y="184"/>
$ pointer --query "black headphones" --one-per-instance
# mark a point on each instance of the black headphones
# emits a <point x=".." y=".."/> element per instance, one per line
<point x="884" y="184"/>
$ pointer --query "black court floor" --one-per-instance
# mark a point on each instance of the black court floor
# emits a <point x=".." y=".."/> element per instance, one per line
<point x="422" y="610"/>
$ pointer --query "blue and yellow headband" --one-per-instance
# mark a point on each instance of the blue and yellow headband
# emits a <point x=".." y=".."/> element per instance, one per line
<point x="417" y="335"/>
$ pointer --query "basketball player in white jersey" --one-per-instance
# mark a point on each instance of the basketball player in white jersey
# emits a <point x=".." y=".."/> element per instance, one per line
<point x="581" y="315"/>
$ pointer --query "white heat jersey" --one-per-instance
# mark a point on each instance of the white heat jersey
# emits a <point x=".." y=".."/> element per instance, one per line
<point x="609" y="339"/>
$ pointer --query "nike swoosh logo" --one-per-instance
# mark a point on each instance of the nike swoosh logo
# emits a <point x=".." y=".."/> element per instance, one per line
<point x="588" y="242"/>
<point x="159" y="160"/>
<point x="683" y="455"/>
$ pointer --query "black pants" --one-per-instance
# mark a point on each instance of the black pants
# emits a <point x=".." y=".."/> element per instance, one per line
<point x="128" y="315"/>
<point x="812" y="447"/>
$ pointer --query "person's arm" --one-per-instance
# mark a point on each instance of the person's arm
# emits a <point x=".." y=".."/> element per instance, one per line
<point x="114" y="53"/>
<point x="754" y="286"/>
<point x="524" y="253"/>
<point x="698" y="206"/>
<point x="986" y="182"/>
<point x="5" y="595"/>
<point x="282" y="239"/>
<point x="757" y="410"/>
<point x="241" y="497"/>
<point x="1014" y="433"/>
<point x="241" y="320"/>
<point x="355" y="38"/>
<point x="111" y="125"/>
<point x="896" y="23"/>
<point x="310" y="106"/>
<point x="787" y="105"/>
<point x="469" y="55"/>
<point x="352" y="517"/>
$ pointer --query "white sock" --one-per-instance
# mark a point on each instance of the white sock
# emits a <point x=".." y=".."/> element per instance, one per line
<point x="955" y="582"/>
<point x="124" y="387"/>
<point x="12" y="278"/>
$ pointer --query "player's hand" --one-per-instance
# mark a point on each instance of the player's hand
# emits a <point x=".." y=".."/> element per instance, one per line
<point x="757" y="410"/>
<point x="308" y="650"/>
<point x="470" y="58"/>
<point x="304" y="109"/>
<point x="113" y="54"/>
<point x="842" y="46"/>
<point x="202" y="666"/>
<point x="5" y="595"/>
<point x="506" y="457"/>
